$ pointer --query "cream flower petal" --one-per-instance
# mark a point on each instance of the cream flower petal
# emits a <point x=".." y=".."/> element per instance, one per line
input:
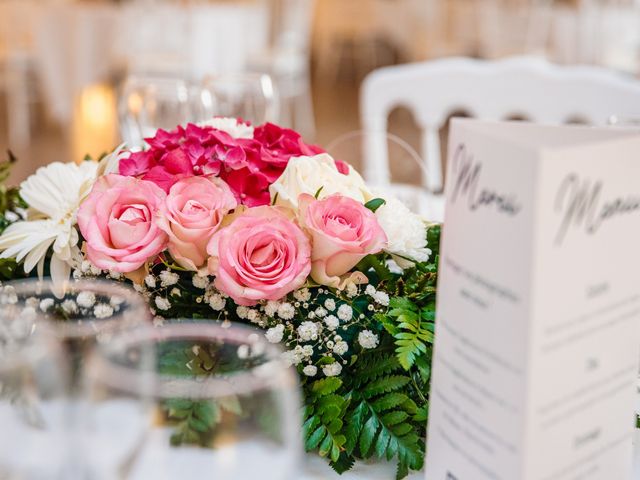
<point x="53" y="194"/>
<point x="21" y="238"/>
<point x="111" y="163"/>
<point x="56" y="189"/>
<point x="60" y="271"/>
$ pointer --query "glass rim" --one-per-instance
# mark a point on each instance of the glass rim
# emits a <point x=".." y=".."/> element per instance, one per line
<point x="165" y="386"/>
<point x="34" y="287"/>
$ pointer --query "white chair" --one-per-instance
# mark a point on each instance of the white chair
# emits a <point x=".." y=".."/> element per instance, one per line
<point x="527" y="87"/>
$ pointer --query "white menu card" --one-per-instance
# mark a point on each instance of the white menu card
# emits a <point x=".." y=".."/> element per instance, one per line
<point x="538" y="312"/>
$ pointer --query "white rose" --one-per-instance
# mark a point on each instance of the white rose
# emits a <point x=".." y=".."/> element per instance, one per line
<point x="231" y="126"/>
<point x="406" y="232"/>
<point x="309" y="174"/>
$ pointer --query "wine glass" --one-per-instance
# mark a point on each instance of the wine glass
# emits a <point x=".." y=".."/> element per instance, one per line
<point x="193" y="397"/>
<point x="249" y="96"/>
<point x="34" y="413"/>
<point x="148" y="103"/>
<point x="79" y="313"/>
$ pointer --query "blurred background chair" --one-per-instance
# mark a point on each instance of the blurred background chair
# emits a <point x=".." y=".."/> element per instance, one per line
<point x="511" y="27"/>
<point x="524" y="88"/>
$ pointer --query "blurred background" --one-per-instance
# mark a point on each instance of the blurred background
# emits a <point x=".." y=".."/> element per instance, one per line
<point x="79" y="76"/>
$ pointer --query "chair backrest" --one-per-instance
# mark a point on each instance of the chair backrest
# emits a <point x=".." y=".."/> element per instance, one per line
<point x="526" y="87"/>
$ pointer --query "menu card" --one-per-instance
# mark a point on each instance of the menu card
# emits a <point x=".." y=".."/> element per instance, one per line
<point x="538" y="312"/>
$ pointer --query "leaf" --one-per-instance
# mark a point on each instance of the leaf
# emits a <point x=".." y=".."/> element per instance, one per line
<point x="374" y="204"/>
<point x="389" y="401"/>
<point x="335" y="426"/>
<point x="402" y="304"/>
<point x="395" y="417"/>
<point x="433" y="239"/>
<point x="316" y="437"/>
<point x="178" y="403"/>
<point x="325" y="446"/>
<point x="385" y="384"/>
<point x="309" y="426"/>
<point x="317" y="194"/>
<point x="344" y="463"/>
<point x="355" y="421"/>
<point x="326" y="386"/>
<point x="199" y="425"/>
<point x="323" y="429"/>
<point x="402" y="429"/>
<point x="402" y="471"/>
<point x="208" y="412"/>
<point x="421" y="415"/>
<point x="368" y="433"/>
<point x="382" y="442"/>
<point x="374" y="366"/>
<point x="413" y="329"/>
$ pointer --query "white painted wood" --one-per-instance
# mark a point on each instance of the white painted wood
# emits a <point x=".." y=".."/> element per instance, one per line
<point x="524" y="86"/>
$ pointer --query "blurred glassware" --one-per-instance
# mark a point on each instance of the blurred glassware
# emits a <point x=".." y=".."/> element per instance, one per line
<point x="147" y="103"/>
<point x="250" y="96"/>
<point x="407" y="166"/>
<point x="624" y="121"/>
<point x="194" y="397"/>
<point x="89" y="311"/>
<point x="287" y="59"/>
<point x="34" y="414"/>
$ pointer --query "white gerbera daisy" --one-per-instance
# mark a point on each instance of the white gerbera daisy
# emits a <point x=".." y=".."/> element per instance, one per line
<point x="53" y="194"/>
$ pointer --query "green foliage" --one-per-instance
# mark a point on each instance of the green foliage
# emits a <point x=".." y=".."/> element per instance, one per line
<point x="193" y="422"/>
<point x="411" y="327"/>
<point x="374" y="204"/>
<point x="9" y="269"/>
<point x="380" y="422"/>
<point x="9" y="201"/>
<point x="322" y="428"/>
<point x="433" y="239"/>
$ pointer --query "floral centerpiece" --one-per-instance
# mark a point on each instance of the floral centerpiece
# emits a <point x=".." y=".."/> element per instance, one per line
<point x="233" y="223"/>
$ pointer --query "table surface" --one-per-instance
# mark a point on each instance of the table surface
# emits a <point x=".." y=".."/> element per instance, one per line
<point x="317" y="469"/>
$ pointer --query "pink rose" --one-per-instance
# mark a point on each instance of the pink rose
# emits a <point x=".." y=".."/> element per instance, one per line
<point x="343" y="231"/>
<point x="261" y="255"/>
<point x="118" y="222"/>
<point x="192" y="212"/>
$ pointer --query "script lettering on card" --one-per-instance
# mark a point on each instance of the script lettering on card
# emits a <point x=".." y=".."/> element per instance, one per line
<point x="579" y="203"/>
<point x="467" y="173"/>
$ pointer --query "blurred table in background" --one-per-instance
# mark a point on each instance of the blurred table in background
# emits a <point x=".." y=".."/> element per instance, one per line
<point x="82" y="44"/>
